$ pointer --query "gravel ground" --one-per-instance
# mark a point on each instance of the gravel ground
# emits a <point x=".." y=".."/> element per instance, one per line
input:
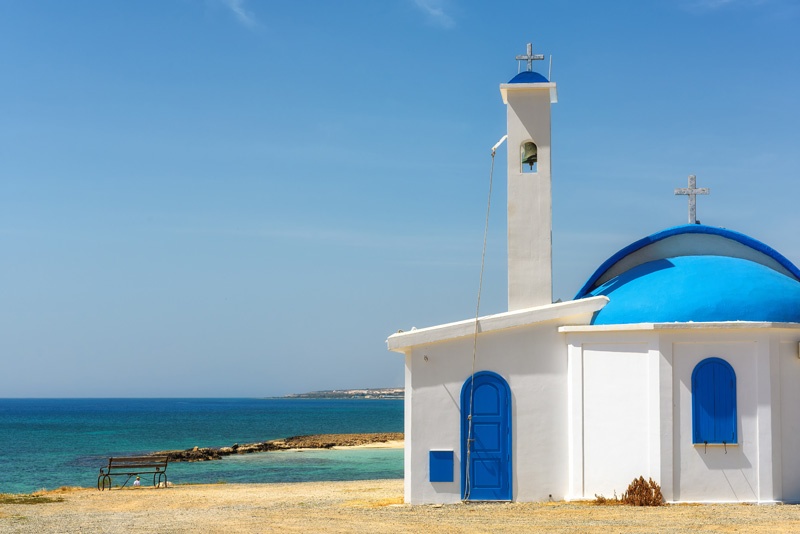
<point x="363" y="506"/>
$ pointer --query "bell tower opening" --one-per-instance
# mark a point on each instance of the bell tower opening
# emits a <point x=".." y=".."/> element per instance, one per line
<point x="528" y="158"/>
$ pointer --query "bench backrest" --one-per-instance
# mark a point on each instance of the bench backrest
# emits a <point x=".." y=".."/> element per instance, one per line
<point x="139" y="464"/>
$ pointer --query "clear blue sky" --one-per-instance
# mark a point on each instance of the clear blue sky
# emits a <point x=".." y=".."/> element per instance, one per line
<point x="245" y="198"/>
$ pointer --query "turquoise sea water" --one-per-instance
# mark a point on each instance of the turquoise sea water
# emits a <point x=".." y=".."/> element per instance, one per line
<point x="47" y="443"/>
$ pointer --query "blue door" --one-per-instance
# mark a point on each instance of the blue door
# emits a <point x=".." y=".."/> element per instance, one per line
<point x="486" y="438"/>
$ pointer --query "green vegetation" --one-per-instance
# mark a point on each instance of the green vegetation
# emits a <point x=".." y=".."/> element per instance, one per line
<point x="8" y="498"/>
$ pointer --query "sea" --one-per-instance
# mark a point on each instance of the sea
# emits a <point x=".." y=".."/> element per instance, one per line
<point x="49" y="443"/>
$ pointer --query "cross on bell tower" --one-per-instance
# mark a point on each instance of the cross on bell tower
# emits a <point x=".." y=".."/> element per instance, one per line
<point x="692" y="191"/>
<point x="530" y="57"/>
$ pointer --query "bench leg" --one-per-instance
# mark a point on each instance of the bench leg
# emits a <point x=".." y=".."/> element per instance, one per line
<point x="158" y="478"/>
<point x="103" y="482"/>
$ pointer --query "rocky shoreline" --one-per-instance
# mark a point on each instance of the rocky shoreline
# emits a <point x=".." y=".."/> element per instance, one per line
<point x="318" y="441"/>
<point x="366" y="394"/>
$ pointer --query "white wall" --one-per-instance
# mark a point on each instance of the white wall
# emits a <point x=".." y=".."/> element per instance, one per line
<point x="529" y="201"/>
<point x="761" y="467"/>
<point x="790" y="421"/>
<point x="709" y="473"/>
<point x="592" y="409"/>
<point x="616" y="405"/>
<point x="615" y="412"/>
<point x="533" y="361"/>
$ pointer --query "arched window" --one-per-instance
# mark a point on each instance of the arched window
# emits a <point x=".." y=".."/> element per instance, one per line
<point x="529" y="157"/>
<point x="713" y="402"/>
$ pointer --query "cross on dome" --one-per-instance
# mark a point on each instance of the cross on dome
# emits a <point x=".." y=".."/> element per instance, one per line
<point x="692" y="191"/>
<point x="530" y="57"/>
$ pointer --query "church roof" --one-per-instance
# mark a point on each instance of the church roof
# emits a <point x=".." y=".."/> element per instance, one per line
<point x="573" y="309"/>
<point x="696" y="273"/>
<point x="528" y="76"/>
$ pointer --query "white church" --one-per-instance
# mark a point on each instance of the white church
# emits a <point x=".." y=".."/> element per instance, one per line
<point x="677" y="360"/>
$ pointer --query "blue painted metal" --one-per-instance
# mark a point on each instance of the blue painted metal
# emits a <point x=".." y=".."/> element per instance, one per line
<point x="699" y="289"/>
<point x="489" y="458"/>
<point x="440" y="466"/>
<point x="714" y="402"/>
<point x="528" y="76"/>
<point x="686" y="229"/>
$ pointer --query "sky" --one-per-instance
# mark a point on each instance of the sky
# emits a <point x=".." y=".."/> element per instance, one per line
<point x="241" y="198"/>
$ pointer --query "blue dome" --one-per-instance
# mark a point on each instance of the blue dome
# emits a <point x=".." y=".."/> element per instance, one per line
<point x="696" y="273"/>
<point x="528" y="76"/>
<point x="699" y="289"/>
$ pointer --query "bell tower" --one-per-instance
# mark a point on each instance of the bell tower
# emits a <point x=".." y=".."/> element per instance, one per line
<point x="528" y="97"/>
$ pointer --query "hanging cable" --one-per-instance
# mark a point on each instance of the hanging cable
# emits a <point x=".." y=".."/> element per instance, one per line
<point x="467" y="487"/>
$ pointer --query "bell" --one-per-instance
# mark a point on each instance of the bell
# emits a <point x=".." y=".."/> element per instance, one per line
<point x="529" y="153"/>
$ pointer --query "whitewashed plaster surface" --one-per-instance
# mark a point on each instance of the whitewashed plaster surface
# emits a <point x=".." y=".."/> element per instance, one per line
<point x="717" y="473"/>
<point x="530" y="277"/>
<point x="787" y="472"/>
<point x="631" y="412"/>
<point x="532" y="359"/>
<point x="617" y="399"/>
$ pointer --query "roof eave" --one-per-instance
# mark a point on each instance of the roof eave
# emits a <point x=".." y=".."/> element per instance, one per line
<point x="725" y="325"/>
<point x="402" y="341"/>
<point x="550" y="86"/>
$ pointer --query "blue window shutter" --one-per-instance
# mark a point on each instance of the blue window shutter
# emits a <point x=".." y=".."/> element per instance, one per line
<point x="726" y="407"/>
<point x="703" y="403"/>
<point x="714" y="402"/>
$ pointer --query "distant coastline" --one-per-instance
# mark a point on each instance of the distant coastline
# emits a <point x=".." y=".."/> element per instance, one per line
<point x="371" y="393"/>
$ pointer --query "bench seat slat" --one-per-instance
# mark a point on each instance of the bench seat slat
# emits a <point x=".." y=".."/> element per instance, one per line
<point x="135" y="466"/>
<point x="138" y="459"/>
<point x="112" y="466"/>
<point x="138" y="464"/>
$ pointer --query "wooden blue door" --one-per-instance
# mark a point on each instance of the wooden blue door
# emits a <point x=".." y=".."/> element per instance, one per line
<point x="486" y="438"/>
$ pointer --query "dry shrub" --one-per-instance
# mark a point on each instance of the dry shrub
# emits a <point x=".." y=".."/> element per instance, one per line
<point x="643" y="492"/>
<point x="640" y="492"/>
<point x="605" y="501"/>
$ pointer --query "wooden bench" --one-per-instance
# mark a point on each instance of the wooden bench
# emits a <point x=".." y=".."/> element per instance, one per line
<point x="132" y="466"/>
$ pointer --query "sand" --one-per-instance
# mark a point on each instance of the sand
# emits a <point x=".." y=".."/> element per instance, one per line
<point x="362" y="506"/>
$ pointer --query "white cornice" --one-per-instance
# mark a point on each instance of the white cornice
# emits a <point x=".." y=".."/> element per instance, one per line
<point x="728" y="325"/>
<point x="491" y="323"/>
<point x="551" y="86"/>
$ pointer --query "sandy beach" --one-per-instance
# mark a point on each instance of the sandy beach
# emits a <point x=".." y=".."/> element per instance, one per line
<point x="372" y="506"/>
<point x="359" y="506"/>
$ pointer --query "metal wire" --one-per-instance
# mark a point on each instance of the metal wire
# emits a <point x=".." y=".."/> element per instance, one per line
<point x="467" y="487"/>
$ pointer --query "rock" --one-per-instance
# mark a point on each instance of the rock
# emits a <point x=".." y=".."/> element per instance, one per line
<point x="319" y="441"/>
